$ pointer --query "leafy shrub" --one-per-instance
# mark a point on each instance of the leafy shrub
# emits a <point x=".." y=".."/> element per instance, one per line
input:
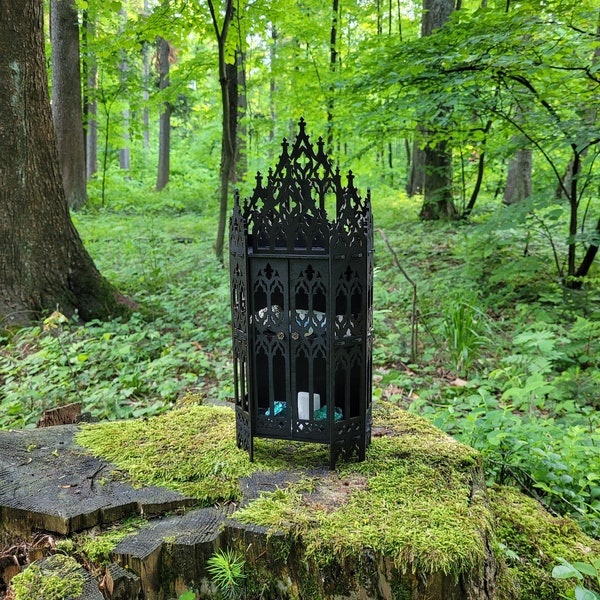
<point x="554" y="458"/>
<point x="578" y="571"/>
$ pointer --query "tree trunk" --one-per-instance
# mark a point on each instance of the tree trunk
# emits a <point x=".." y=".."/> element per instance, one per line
<point x="227" y="139"/>
<point x="272" y="86"/>
<point x="66" y="100"/>
<point x="90" y="103"/>
<point x="242" y="108"/>
<point x="333" y="59"/>
<point x="233" y="96"/>
<point x="91" y="139"/>
<point x="146" y="49"/>
<point x="43" y="264"/>
<point x="476" y="187"/>
<point x="416" y="178"/>
<point x="164" y="137"/>
<point x="518" y="179"/>
<point x="587" y="261"/>
<point x="124" y="151"/>
<point x="435" y="14"/>
<point x="437" y="189"/>
<point x="437" y="197"/>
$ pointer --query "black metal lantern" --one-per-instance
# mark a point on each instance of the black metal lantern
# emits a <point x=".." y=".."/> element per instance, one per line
<point x="302" y="305"/>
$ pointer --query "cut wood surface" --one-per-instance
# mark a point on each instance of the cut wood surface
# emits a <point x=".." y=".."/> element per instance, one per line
<point x="49" y="483"/>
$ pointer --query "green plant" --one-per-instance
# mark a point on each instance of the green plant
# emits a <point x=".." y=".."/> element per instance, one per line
<point x="178" y="341"/>
<point x="226" y="568"/>
<point x="550" y="457"/>
<point x="464" y="328"/>
<point x="578" y="570"/>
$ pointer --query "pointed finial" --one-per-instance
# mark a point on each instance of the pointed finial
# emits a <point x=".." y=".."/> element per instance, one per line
<point x="285" y="148"/>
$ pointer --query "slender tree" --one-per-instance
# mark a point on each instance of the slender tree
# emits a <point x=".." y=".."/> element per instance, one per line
<point x="90" y="100"/>
<point x="125" y="150"/>
<point x="242" y="110"/>
<point x="234" y="107"/>
<point x="227" y="137"/>
<point x="163" y="61"/>
<point x="273" y="46"/>
<point x="333" y="66"/>
<point x="66" y="100"/>
<point x="416" y="175"/>
<point x="146" y="52"/>
<point x="43" y="264"/>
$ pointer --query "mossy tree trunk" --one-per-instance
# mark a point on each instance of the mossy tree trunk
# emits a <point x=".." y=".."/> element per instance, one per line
<point x="43" y="264"/>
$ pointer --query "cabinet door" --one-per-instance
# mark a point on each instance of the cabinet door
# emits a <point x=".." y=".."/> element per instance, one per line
<point x="289" y="347"/>
<point x="270" y="345"/>
<point x="308" y="348"/>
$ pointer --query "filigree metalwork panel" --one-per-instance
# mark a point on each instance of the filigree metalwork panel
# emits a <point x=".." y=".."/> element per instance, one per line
<point x="273" y="426"/>
<point x="243" y="431"/>
<point x="301" y="265"/>
<point x="350" y="296"/>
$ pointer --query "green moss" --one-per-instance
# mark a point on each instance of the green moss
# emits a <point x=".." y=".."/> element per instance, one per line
<point x="415" y="503"/>
<point x="417" y="499"/>
<point x="57" y="578"/>
<point x="192" y="450"/>
<point x="94" y="546"/>
<point x="532" y="539"/>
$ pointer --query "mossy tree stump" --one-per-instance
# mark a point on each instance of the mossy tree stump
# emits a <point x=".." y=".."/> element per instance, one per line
<point x="413" y="521"/>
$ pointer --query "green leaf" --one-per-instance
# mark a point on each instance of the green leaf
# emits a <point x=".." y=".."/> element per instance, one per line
<point x="565" y="571"/>
<point x="585" y="594"/>
<point x="586" y="569"/>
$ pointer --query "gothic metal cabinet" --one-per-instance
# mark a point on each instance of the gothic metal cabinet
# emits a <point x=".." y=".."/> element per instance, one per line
<point x="301" y="300"/>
